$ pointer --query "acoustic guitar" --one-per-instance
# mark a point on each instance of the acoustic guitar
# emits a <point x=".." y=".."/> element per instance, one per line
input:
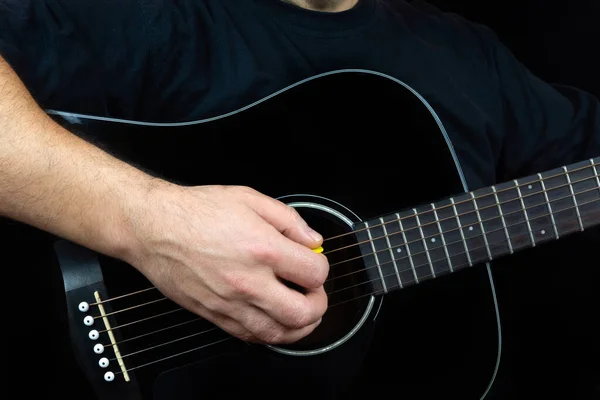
<point x="408" y="242"/>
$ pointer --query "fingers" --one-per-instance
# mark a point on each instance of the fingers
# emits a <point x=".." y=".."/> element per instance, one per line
<point x="286" y="220"/>
<point x="300" y="265"/>
<point x="229" y="325"/>
<point x="251" y="324"/>
<point x="293" y="259"/>
<point x="290" y="307"/>
<point x="267" y="330"/>
<point x="234" y="328"/>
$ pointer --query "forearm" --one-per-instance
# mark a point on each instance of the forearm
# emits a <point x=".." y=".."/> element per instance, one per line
<point x="56" y="181"/>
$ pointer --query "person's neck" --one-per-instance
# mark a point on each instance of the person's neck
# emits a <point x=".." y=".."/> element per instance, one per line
<point x="324" y="5"/>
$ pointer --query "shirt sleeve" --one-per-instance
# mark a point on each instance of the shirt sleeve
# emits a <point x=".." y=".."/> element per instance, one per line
<point x="80" y="56"/>
<point x="544" y="125"/>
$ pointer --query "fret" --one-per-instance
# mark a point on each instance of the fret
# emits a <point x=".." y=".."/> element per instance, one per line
<point x="535" y="207"/>
<point x="596" y="202"/>
<point x="377" y="263"/>
<point x="453" y="240"/>
<point x="444" y="245"/>
<point x="432" y="240"/>
<point x="485" y="240"/>
<point x="391" y="251"/>
<point x="460" y="230"/>
<point x="562" y="201"/>
<point x="399" y="251"/>
<point x="471" y="228"/>
<point x="385" y="268"/>
<point x="549" y="205"/>
<point x="493" y="229"/>
<point x="414" y="245"/>
<point x="512" y="209"/>
<point x="510" y="248"/>
<point x="584" y="181"/>
<point x="591" y="210"/>
<point x="416" y="213"/>
<point x="574" y="197"/>
<point x="518" y="186"/>
<point x="371" y="264"/>
<point x="593" y="164"/>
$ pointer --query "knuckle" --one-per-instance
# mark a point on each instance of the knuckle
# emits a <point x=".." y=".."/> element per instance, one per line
<point x="210" y="303"/>
<point x="235" y="329"/>
<point x="299" y="315"/>
<point x="273" y="336"/>
<point x="264" y="254"/>
<point x="244" y="190"/>
<point x="293" y="215"/>
<point x="322" y="269"/>
<point x="238" y="285"/>
<point x="266" y="330"/>
<point x="315" y="281"/>
<point x="318" y="269"/>
<point x="246" y="336"/>
<point x="323" y="304"/>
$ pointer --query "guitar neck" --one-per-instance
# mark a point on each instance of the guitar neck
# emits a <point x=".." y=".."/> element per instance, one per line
<point x="479" y="226"/>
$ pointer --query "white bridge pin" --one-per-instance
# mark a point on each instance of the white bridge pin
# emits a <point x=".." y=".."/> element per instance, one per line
<point x="103" y="362"/>
<point x="109" y="376"/>
<point x="98" y="348"/>
<point x="88" y="321"/>
<point x="94" y="334"/>
<point x="83" y="306"/>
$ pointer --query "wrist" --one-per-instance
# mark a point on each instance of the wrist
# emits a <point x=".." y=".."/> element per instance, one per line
<point x="139" y="209"/>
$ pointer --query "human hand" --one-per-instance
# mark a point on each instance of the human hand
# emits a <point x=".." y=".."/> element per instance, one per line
<point x="222" y="252"/>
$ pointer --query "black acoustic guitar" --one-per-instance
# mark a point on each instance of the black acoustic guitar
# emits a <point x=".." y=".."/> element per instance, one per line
<point x="392" y="251"/>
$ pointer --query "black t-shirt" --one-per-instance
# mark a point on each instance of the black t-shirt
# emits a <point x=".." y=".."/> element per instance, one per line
<point x="160" y="60"/>
<point x="163" y="60"/>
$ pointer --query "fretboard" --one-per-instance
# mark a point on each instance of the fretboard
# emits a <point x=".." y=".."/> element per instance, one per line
<point x="408" y="247"/>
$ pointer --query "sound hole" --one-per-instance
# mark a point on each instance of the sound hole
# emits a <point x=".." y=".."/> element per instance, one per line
<point x="347" y="285"/>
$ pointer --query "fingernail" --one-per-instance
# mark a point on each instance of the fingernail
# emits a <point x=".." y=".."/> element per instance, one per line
<point x="314" y="235"/>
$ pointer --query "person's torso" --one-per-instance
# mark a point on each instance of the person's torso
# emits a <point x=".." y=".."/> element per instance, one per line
<point x="221" y="56"/>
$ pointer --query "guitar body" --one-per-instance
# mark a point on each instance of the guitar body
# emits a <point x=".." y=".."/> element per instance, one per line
<point x="317" y="146"/>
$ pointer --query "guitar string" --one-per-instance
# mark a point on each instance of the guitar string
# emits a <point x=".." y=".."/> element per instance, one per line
<point x="130" y="308"/>
<point x="591" y="166"/>
<point x="474" y="211"/>
<point x="394" y="260"/>
<point x="151" y="333"/>
<point x="176" y="355"/>
<point x="378" y="265"/>
<point x="142" y="320"/>
<point x="229" y="337"/>
<point x="164" y="344"/>
<point x="421" y="226"/>
<point x="377" y="292"/>
<point x="458" y="228"/>
<point x="473" y="262"/>
<point x="445" y="245"/>
<point x="427" y="276"/>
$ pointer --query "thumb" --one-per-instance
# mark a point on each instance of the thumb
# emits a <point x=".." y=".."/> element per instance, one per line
<point x="286" y="220"/>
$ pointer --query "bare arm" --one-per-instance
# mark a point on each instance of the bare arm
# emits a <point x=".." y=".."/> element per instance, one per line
<point x="217" y="251"/>
<point x="53" y="180"/>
